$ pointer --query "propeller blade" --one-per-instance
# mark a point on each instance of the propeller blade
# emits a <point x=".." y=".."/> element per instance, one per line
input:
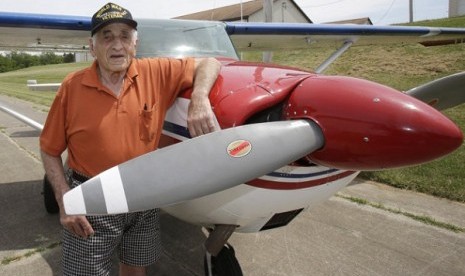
<point x="197" y="167"/>
<point x="442" y="93"/>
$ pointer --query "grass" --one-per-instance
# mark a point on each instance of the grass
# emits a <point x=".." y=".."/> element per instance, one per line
<point x="399" y="66"/>
<point x="14" y="83"/>
<point x="423" y="219"/>
<point x="10" y="259"/>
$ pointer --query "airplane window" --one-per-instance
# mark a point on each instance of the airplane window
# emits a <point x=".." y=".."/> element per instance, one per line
<point x="182" y="38"/>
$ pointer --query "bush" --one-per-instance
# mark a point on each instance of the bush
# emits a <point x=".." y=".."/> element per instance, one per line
<point x="18" y="60"/>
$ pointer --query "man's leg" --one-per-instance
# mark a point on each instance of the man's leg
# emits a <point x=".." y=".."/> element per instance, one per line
<point x="91" y="256"/>
<point x="128" y="270"/>
<point x="141" y="244"/>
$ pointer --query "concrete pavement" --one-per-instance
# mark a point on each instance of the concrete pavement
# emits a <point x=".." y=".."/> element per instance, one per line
<point x="338" y="237"/>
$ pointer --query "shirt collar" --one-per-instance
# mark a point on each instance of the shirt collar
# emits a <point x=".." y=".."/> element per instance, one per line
<point x="91" y="76"/>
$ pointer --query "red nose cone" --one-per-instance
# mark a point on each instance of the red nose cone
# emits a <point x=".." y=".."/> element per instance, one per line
<point x="368" y="126"/>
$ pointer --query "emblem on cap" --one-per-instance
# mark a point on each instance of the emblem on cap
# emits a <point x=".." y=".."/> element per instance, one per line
<point x="111" y="13"/>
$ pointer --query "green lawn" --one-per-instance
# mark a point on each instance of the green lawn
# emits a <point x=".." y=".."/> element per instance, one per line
<point x="14" y="83"/>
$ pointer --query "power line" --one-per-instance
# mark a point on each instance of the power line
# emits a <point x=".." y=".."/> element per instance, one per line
<point x="387" y="11"/>
<point x="322" y="5"/>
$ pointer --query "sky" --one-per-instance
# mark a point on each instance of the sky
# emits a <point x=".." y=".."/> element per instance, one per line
<point x="381" y="12"/>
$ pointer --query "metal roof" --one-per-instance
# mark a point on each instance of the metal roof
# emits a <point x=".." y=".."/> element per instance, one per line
<point x="233" y="12"/>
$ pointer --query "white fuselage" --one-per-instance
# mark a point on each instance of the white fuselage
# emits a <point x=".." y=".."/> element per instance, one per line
<point x="250" y="206"/>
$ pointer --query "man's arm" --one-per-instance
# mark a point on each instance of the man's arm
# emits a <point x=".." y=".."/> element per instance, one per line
<point x="200" y="119"/>
<point x="54" y="170"/>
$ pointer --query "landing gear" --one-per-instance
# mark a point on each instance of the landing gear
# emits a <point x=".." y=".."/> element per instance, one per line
<point x="220" y="258"/>
<point x="224" y="264"/>
<point x="50" y="202"/>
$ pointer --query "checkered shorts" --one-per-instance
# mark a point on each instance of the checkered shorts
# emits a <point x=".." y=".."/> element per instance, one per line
<point x="134" y="236"/>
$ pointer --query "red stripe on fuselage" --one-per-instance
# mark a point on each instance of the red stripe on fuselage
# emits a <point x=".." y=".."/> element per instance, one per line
<point x="268" y="184"/>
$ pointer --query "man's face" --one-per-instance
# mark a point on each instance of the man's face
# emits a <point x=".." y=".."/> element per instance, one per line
<point x="114" y="47"/>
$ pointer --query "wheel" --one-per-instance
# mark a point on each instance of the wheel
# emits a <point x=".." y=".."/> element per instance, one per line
<point x="50" y="202"/>
<point x="225" y="264"/>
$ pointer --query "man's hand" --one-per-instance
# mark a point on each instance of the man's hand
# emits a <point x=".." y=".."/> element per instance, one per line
<point x="200" y="116"/>
<point x="78" y="225"/>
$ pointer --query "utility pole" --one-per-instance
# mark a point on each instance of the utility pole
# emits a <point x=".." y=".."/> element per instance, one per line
<point x="268" y="11"/>
<point x="410" y="11"/>
<point x="242" y="15"/>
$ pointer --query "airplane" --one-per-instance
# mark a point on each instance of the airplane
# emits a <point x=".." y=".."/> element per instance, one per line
<point x="289" y="138"/>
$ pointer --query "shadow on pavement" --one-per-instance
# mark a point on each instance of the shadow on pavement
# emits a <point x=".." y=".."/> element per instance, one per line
<point x="25" y="133"/>
<point x="26" y="228"/>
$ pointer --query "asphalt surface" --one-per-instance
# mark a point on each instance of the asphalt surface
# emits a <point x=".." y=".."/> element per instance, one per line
<point x="338" y="237"/>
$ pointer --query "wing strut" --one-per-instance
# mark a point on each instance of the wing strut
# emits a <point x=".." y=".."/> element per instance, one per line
<point x="334" y="56"/>
<point x="22" y="118"/>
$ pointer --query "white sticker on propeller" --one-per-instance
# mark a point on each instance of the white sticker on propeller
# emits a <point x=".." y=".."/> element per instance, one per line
<point x="239" y="148"/>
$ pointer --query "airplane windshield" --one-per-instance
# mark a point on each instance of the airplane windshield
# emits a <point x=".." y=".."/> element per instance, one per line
<point x="182" y="38"/>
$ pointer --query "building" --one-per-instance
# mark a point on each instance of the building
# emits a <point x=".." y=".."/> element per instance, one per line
<point x="456" y="8"/>
<point x="252" y="11"/>
<point x="357" y="21"/>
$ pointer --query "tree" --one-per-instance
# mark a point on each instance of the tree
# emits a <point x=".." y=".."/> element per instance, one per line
<point x="69" y="58"/>
<point x="50" y="58"/>
<point x="18" y="60"/>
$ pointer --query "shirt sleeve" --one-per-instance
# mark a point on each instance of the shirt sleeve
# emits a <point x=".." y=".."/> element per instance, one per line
<point x="177" y="76"/>
<point x="53" y="137"/>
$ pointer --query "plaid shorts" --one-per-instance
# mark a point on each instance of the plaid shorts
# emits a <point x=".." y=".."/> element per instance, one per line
<point x="134" y="236"/>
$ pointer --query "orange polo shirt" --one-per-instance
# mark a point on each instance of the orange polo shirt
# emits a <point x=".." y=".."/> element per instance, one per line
<point x="101" y="130"/>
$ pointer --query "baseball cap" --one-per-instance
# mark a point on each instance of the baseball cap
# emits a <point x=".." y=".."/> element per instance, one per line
<point x="111" y="13"/>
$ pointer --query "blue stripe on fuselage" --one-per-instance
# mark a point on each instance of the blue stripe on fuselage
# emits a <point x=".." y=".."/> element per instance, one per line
<point x="176" y="129"/>
<point x="303" y="175"/>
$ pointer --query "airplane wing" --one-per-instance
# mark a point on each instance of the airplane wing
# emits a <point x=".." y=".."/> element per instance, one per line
<point x="271" y="36"/>
<point x="282" y="36"/>
<point x="43" y="31"/>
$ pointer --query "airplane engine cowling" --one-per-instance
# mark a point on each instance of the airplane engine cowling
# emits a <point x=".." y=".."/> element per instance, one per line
<point x="368" y="126"/>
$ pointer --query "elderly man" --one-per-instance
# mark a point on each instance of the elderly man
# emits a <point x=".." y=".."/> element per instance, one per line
<point x="109" y="113"/>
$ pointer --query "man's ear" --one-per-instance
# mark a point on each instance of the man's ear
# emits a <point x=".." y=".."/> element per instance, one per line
<point x="91" y="46"/>
<point x="135" y="47"/>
